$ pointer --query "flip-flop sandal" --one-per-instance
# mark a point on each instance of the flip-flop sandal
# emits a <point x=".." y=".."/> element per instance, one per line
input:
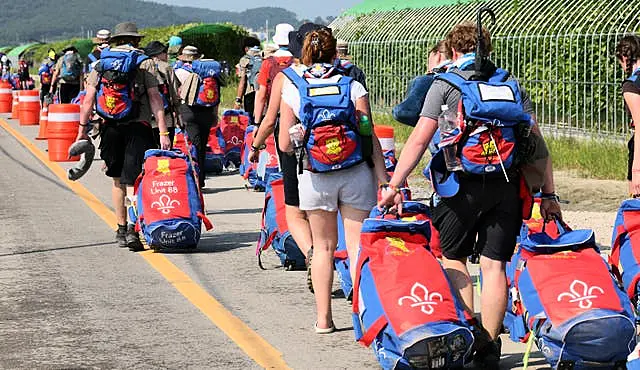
<point x="309" y="280"/>
<point x="325" y="330"/>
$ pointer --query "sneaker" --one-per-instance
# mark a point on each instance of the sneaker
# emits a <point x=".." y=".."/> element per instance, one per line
<point x="121" y="236"/>
<point x="133" y="240"/>
<point x="309" y="280"/>
<point x="488" y="356"/>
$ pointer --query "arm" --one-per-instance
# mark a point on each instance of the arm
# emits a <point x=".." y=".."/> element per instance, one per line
<point x="268" y="124"/>
<point x="414" y="149"/>
<point x="261" y="100"/>
<point x="86" y="111"/>
<point x="633" y="102"/>
<point x="54" y="80"/>
<point x="242" y="86"/>
<point x="287" y="120"/>
<point x="157" y="107"/>
<point x="363" y="108"/>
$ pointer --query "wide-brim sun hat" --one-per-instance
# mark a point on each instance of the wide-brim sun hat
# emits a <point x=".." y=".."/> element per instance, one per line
<point x="444" y="182"/>
<point x="126" y="29"/>
<point x="154" y="48"/>
<point x="102" y="37"/>
<point x="281" y="36"/>
<point x="189" y="54"/>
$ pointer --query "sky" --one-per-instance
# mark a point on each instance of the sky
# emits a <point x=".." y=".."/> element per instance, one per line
<point x="304" y="8"/>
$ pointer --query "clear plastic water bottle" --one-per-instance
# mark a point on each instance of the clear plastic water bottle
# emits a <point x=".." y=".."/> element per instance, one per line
<point x="448" y="125"/>
<point x="296" y="134"/>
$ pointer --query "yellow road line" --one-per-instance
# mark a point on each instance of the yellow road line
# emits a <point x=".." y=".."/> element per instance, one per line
<point x="248" y="340"/>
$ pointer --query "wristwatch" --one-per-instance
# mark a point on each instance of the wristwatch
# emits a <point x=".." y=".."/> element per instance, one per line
<point x="238" y="99"/>
<point x="261" y="147"/>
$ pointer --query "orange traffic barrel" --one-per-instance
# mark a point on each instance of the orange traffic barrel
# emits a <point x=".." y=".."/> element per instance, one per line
<point x="42" y="134"/>
<point x="386" y="136"/>
<point x="6" y="98"/>
<point x="29" y="107"/>
<point x="63" y="122"/>
<point x="15" y="112"/>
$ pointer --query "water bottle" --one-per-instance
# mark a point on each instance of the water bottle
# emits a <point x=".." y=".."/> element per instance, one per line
<point x="366" y="132"/>
<point x="296" y="134"/>
<point x="448" y="125"/>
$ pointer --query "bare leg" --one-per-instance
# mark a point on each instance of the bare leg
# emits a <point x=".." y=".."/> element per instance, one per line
<point x="324" y="230"/>
<point x="117" y="197"/>
<point x="299" y="228"/>
<point x="352" y="219"/>
<point x="494" y="295"/>
<point x="461" y="281"/>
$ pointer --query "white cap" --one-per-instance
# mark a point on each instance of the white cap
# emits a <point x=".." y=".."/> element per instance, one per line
<point x="282" y="33"/>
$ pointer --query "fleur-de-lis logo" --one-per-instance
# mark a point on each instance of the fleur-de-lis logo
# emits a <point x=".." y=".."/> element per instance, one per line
<point x="325" y="115"/>
<point x="165" y="204"/>
<point x="235" y="141"/>
<point x="580" y="292"/>
<point x="420" y="297"/>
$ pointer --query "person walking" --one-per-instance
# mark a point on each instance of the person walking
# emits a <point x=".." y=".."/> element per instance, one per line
<point x="46" y="73"/>
<point x="198" y="116"/>
<point x="168" y="87"/>
<point x="338" y="176"/>
<point x="127" y="113"/>
<point x="472" y="212"/>
<point x="67" y="77"/>
<point x="628" y="55"/>
<point x="100" y="42"/>
<point x="248" y="69"/>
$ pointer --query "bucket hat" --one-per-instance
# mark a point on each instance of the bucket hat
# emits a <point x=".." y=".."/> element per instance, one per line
<point x="102" y="37"/>
<point x="281" y="36"/>
<point x="126" y="29"/>
<point x="189" y="54"/>
<point x="154" y="48"/>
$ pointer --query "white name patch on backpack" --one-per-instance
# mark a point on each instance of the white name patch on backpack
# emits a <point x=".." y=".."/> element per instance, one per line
<point x="324" y="91"/>
<point x="496" y="93"/>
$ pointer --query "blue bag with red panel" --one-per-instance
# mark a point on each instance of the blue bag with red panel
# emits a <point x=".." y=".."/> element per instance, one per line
<point x="625" y="247"/>
<point x="246" y="168"/>
<point x="170" y="208"/>
<point x="116" y="97"/>
<point x="214" y="156"/>
<point x="274" y="231"/>
<point x="208" y="72"/>
<point x="403" y="303"/>
<point x="563" y="296"/>
<point x="332" y="135"/>
<point x="490" y="119"/>
<point x="231" y="131"/>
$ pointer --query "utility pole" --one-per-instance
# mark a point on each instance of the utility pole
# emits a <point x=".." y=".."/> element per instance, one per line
<point x="267" y="30"/>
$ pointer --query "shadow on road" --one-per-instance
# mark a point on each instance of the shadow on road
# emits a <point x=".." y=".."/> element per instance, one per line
<point x="57" y="249"/>
<point x="240" y="211"/>
<point x="219" y="242"/>
<point x="221" y="190"/>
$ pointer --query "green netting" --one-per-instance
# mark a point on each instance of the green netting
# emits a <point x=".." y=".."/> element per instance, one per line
<point x="370" y="6"/>
<point x="6" y="49"/>
<point x="216" y="41"/>
<point x="84" y="47"/>
<point x="17" y="51"/>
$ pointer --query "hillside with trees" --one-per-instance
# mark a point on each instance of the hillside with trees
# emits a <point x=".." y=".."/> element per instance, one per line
<point x="42" y="20"/>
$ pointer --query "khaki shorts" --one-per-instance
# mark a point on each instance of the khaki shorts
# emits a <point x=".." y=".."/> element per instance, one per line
<point x="355" y="187"/>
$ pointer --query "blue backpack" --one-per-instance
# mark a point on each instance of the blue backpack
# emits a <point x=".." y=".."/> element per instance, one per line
<point x="625" y="248"/>
<point x="275" y="231"/>
<point x="563" y="297"/>
<point x="413" y="320"/>
<point x="46" y="73"/>
<point x="332" y="137"/>
<point x="116" y="99"/>
<point x="493" y="114"/>
<point x="170" y="208"/>
<point x="71" y="67"/>
<point x="208" y="72"/>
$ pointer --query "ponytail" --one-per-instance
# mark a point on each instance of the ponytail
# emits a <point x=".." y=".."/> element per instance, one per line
<point x="319" y="47"/>
<point x="629" y="48"/>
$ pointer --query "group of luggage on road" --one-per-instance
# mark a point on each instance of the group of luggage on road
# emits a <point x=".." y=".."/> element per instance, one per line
<point x="337" y="199"/>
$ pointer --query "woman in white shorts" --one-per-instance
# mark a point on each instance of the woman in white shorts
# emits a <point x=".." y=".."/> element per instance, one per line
<point x="352" y="191"/>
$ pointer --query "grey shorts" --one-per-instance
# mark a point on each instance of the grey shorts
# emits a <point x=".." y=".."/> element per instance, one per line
<point x="355" y="187"/>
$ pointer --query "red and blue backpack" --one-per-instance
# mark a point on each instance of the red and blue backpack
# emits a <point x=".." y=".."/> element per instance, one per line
<point x="625" y="248"/>
<point x="116" y="99"/>
<point x="45" y="72"/>
<point x="208" y="72"/>
<point x="170" y="208"/>
<point x="332" y="136"/>
<point x="490" y="113"/>
<point x="231" y="131"/>
<point x="404" y="305"/>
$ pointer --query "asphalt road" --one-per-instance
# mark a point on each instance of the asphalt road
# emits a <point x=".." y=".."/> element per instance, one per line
<point x="69" y="298"/>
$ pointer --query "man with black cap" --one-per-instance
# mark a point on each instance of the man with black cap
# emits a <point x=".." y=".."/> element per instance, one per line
<point x="125" y="138"/>
<point x="67" y="77"/>
<point x="167" y="85"/>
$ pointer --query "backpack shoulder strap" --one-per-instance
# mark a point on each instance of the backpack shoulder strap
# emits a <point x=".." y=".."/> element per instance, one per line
<point x="501" y="75"/>
<point x="92" y="57"/>
<point x="295" y="78"/>
<point x="452" y="78"/>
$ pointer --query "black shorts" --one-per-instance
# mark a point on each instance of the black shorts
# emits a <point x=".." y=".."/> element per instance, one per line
<point x="289" y="168"/>
<point x="68" y="92"/>
<point x="486" y="214"/>
<point x="631" y="147"/>
<point x="122" y="149"/>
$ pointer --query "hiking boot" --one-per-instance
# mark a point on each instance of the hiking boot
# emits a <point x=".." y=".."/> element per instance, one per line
<point x="133" y="240"/>
<point x="121" y="236"/>
<point x="309" y="280"/>
<point x="488" y="356"/>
